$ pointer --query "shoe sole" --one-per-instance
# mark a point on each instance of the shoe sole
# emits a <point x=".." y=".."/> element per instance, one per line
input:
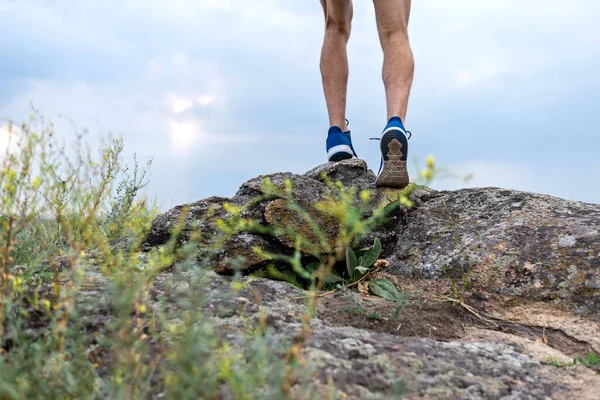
<point x="339" y="153"/>
<point x="394" y="172"/>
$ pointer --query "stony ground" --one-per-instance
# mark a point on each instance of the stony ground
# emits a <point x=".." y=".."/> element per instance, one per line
<point x="531" y="264"/>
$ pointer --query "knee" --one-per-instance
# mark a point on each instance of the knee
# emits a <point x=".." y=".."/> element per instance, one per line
<point x="395" y="31"/>
<point x="338" y="26"/>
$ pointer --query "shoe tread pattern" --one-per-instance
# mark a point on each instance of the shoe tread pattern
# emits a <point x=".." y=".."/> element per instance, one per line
<point x="394" y="172"/>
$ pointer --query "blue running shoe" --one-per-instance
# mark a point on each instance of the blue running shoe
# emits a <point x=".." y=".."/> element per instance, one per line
<point x="339" y="145"/>
<point x="394" y="151"/>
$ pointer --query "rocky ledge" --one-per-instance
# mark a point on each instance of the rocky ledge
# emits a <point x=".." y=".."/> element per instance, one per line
<point x="527" y="267"/>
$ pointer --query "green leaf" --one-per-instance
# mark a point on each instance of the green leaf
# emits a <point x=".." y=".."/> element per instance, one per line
<point x="361" y="269"/>
<point x="390" y="208"/>
<point x="312" y="267"/>
<point x="384" y="288"/>
<point x="373" y="254"/>
<point x="334" y="278"/>
<point x="351" y="262"/>
<point x="362" y="251"/>
<point x="275" y="274"/>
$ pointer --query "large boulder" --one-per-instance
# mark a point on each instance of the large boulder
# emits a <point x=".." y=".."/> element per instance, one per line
<point x="267" y="205"/>
<point x="502" y="286"/>
<point x="505" y="243"/>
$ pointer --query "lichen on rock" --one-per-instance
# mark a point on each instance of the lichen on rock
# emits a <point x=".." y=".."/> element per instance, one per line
<point x="530" y="263"/>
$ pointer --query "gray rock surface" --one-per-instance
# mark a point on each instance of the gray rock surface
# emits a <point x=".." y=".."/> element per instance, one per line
<point x="370" y="364"/>
<point x="518" y="244"/>
<point x="528" y="266"/>
<point x="507" y="242"/>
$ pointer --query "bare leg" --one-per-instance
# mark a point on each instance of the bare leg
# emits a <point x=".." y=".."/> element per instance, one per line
<point x="398" y="62"/>
<point x="334" y="59"/>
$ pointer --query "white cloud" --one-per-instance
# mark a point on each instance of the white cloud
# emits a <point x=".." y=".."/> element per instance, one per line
<point x="479" y="71"/>
<point x="503" y="174"/>
<point x="205" y="100"/>
<point x="184" y="135"/>
<point x="468" y="43"/>
<point x="179" y="104"/>
<point x="190" y="77"/>
<point x="182" y="65"/>
<point x="8" y="138"/>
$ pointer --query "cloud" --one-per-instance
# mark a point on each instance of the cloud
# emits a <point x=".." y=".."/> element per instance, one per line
<point x="185" y="134"/>
<point x="480" y="70"/>
<point x="205" y="100"/>
<point x="179" y="104"/>
<point x="235" y="86"/>
<point x="7" y="138"/>
<point x="492" y="45"/>
<point x="508" y="175"/>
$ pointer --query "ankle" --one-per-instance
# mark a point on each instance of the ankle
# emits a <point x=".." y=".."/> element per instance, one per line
<point x="342" y="125"/>
<point x="396" y="117"/>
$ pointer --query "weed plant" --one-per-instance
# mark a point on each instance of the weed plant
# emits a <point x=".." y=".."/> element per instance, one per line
<point x="85" y="313"/>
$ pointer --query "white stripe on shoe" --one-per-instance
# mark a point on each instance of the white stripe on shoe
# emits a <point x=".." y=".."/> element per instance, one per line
<point x="342" y="148"/>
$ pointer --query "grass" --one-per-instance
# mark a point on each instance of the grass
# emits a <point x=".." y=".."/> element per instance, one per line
<point x="63" y="336"/>
<point x="591" y="361"/>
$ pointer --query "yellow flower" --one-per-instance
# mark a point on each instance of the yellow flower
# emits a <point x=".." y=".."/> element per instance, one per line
<point x="405" y="201"/>
<point x="237" y="286"/>
<point x="365" y="196"/>
<point x="143" y="309"/>
<point x="427" y="174"/>
<point x="430" y="161"/>
<point x="36" y="183"/>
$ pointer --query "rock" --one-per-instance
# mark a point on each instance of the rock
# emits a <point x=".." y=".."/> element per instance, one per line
<point x="199" y="216"/>
<point x="372" y="364"/>
<point x="498" y="241"/>
<point x="278" y="214"/>
<point x="498" y="281"/>
<point x="353" y="172"/>
<point x="239" y="253"/>
<point x="510" y="243"/>
<point x="270" y="210"/>
<point x="504" y="242"/>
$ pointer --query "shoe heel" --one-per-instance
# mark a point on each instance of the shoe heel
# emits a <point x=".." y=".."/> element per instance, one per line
<point x="394" y="172"/>
<point x="339" y="153"/>
<point x="340" y="157"/>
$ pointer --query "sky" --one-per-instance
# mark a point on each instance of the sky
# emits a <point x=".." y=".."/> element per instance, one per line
<point x="219" y="91"/>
